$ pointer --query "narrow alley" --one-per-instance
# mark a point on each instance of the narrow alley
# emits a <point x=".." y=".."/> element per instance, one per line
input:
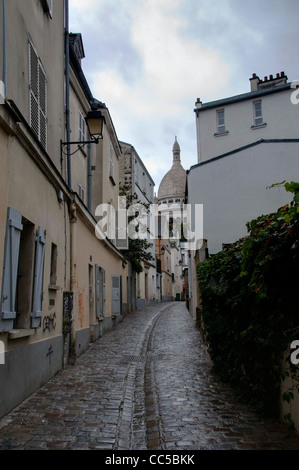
<point x="146" y="384"/>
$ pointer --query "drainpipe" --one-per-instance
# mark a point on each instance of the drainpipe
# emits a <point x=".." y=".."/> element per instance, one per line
<point x="89" y="176"/>
<point x="73" y="270"/>
<point x="4" y="48"/>
<point x="67" y="90"/>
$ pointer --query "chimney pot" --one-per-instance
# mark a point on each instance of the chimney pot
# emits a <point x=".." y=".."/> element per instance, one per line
<point x="271" y="77"/>
<point x="254" y="75"/>
<point x="277" y="75"/>
<point x="265" y="79"/>
<point x="282" y="74"/>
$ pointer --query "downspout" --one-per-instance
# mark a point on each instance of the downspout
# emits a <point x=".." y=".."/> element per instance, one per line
<point x="67" y="90"/>
<point x="89" y="176"/>
<point x="4" y="49"/>
<point x="198" y="105"/>
<point x="73" y="272"/>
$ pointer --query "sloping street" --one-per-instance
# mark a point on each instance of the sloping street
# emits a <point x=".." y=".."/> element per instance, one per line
<point x="146" y="384"/>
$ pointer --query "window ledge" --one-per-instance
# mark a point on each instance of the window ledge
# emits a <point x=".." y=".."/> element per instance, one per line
<point x="53" y="287"/>
<point x="220" y="134"/>
<point x="259" y="126"/>
<point x="22" y="333"/>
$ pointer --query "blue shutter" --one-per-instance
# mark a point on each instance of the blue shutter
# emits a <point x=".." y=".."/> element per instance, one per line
<point x="10" y="268"/>
<point x="38" y="278"/>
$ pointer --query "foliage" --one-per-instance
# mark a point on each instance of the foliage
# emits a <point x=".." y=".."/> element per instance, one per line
<point x="138" y="249"/>
<point x="249" y="308"/>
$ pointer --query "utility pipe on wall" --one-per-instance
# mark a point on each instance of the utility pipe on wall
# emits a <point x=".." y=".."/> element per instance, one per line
<point x="4" y="49"/>
<point x="67" y="90"/>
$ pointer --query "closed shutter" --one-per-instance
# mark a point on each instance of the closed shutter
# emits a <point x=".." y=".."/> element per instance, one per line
<point x="100" y="291"/>
<point x="48" y="7"/>
<point x="42" y="105"/>
<point x="38" y="96"/>
<point x="10" y="268"/>
<point x="104" y="292"/>
<point x="38" y="278"/>
<point x="116" y="296"/>
<point x="111" y="171"/>
<point x="33" y="86"/>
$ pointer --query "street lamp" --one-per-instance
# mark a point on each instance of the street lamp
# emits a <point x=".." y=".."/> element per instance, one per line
<point x="95" y="122"/>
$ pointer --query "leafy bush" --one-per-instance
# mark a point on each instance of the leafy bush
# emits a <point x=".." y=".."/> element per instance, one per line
<point x="249" y="305"/>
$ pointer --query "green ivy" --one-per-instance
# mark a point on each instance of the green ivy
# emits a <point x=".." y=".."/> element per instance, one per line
<point x="249" y="306"/>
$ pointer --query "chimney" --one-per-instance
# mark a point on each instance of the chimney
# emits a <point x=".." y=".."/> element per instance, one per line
<point x="198" y="103"/>
<point x="268" y="82"/>
<point x="254" y="81"/>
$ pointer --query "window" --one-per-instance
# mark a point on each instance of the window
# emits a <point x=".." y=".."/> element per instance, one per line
<point x="48" y="7"/>
<point x="111" y="169"/>
<point x="24" y="276"/>
<point x="257" y="113"/>
<point x="81" y="192"/>
<point x="82" y="128"/>
<point x="38" y="96"/>
<point x="220" y="121"/>
<point x="53" y="272"/>
<point x="21" y="271"/>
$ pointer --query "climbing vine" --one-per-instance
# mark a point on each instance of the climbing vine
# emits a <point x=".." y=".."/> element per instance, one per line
<point x="249" y="306"/>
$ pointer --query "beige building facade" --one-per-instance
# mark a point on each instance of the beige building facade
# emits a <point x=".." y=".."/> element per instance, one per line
<point x="62" y="286"/>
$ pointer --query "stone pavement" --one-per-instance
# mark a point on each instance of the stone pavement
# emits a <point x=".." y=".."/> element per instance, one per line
<point x="146" y="384"/>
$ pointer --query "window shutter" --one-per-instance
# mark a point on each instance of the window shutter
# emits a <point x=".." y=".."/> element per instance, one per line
<point x="42" y="106"/>
<point x="10" y="268"/>
<point x="48" y="7"/>
<point x="100" y="291"/>
<point x="38" y="96"/>
<point x="33" y="86"/>
<point x="97" y="290"/>
<point x="115" y="295"/>
<point x="38" y="278"/>
<point x="104" y="292"/>
<point x="111" y="171"/>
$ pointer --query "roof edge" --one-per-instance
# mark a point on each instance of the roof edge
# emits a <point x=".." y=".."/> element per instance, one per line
<point x="240" y="149"/>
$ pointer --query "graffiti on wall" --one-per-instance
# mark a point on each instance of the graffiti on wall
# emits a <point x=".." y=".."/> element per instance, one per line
<point x="49" y="322"/>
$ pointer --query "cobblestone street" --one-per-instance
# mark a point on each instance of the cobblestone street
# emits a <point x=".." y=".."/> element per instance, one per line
<point x="146" y="384"/>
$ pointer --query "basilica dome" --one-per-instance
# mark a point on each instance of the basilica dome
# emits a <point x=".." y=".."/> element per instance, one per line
<point x="173" y="185"/>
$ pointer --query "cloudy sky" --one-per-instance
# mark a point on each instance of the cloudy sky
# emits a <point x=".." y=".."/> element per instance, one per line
<point x="149" y="60"/>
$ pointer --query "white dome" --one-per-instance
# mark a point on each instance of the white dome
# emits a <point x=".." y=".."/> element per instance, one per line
<point x="173" y="184"/>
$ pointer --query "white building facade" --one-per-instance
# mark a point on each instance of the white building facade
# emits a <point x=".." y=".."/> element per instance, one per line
<point x="143" y="287"/>
<point x="245" y="144"/>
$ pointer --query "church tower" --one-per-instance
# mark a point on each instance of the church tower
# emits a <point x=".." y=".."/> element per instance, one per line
<point x="173" y="185"/>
